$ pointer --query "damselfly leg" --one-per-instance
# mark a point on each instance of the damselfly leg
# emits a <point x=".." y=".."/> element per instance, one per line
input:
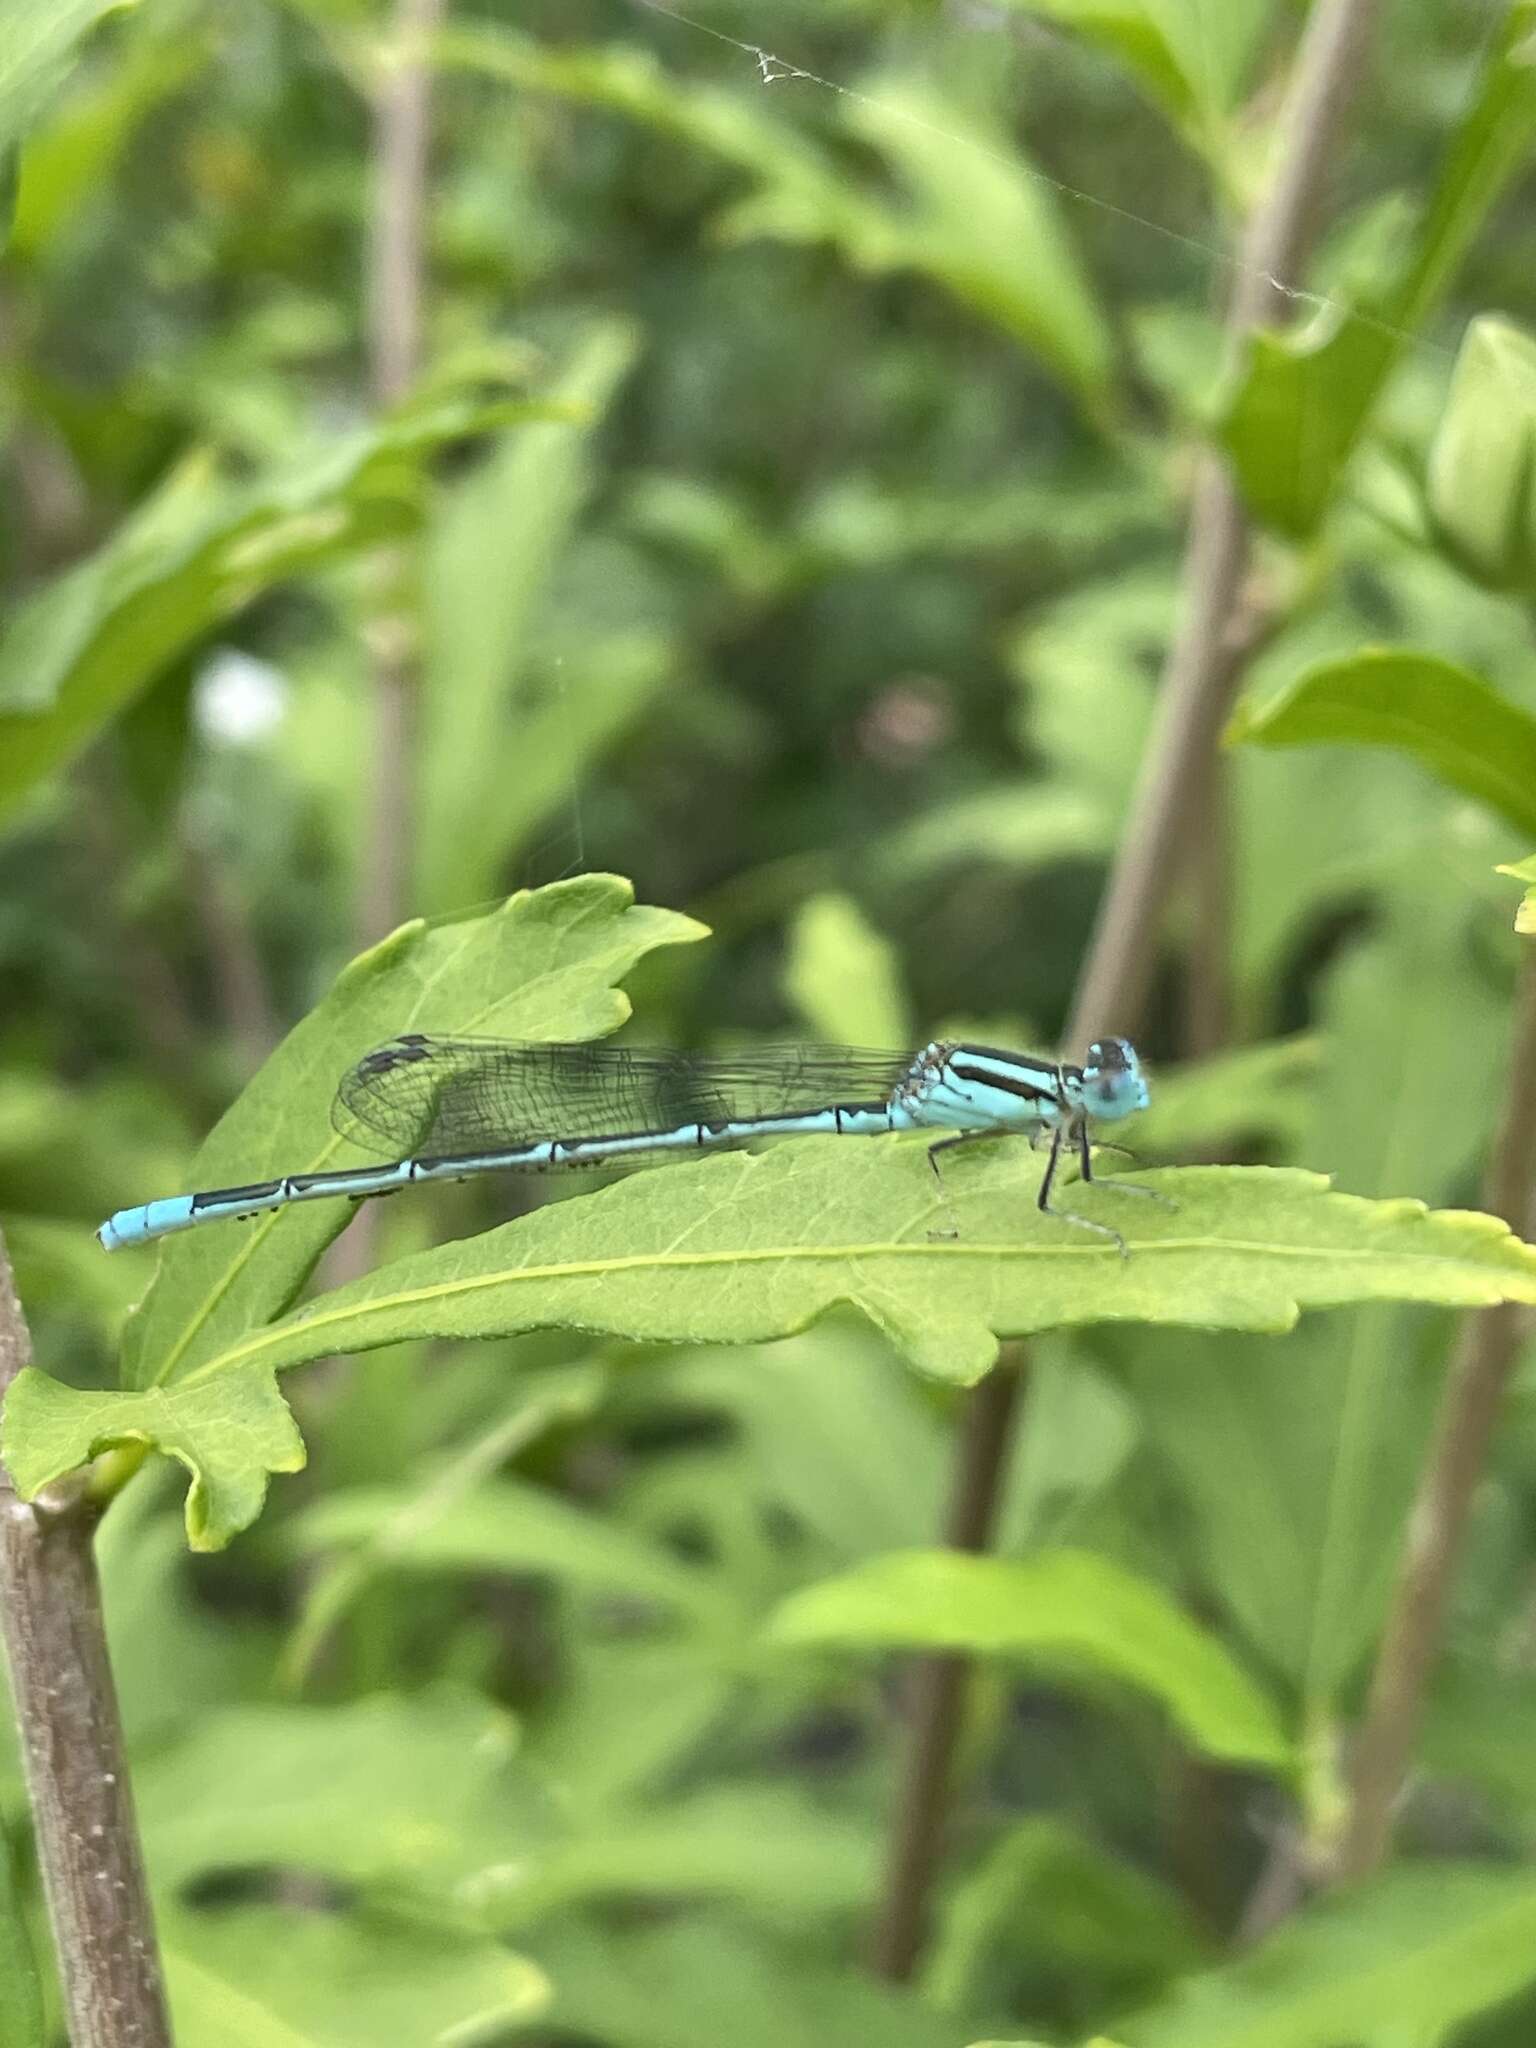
<point x="1099" y="1180"/>
<point x="950" y="1145"/>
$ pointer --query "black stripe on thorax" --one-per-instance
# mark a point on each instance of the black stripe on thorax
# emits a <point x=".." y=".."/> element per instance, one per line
<point x="1026" y="1090"/>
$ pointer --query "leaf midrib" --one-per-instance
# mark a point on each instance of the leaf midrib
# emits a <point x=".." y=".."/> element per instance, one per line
<point x="271" y="1336"/>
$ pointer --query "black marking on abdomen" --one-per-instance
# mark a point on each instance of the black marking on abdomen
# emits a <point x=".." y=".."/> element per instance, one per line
<point x="257" y="1191"/>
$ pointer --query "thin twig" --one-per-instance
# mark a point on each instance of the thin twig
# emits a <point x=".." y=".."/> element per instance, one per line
<point x="239" y="973"/>
<point x="72" y="1743"/>
<point x="1489" y="1343"/>
<point x="1198" y="680"/>
<point x="1208" y="877"/>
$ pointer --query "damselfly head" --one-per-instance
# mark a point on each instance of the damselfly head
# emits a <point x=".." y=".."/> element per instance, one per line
<point x="1113" y="1083"/>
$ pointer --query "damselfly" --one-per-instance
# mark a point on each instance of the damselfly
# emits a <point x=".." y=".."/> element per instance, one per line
<point x="450" y="1107"/>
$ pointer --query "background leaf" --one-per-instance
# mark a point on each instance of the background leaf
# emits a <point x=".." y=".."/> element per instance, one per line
<point x="1058" y="1607"/>
<point x="1451" y="722"/>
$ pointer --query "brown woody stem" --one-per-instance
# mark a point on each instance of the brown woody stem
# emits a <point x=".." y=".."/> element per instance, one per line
<point x="1203" y="665"/>
<point x="72" y="1746"/>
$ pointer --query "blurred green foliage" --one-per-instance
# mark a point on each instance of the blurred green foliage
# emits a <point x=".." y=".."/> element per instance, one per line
<point x="787" y="517"/>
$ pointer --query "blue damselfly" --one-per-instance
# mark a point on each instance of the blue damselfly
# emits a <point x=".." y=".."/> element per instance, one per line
<point x="450" y="1107"/>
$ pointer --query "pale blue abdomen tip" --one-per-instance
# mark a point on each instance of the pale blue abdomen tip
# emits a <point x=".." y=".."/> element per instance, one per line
<point x="149" y="1220"/>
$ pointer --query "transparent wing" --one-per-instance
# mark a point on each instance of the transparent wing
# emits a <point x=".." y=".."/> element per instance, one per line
<point x="438" y="1097"/>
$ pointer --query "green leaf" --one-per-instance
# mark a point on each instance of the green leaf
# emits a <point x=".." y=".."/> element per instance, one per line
<point x="703" y="1983"/>
<point x="1301" y="401"/>
<point x="634" y="1714"/>
<point x="1060" y="1608"/>
<point x="414" y="1515"/>
<point x="229" y="1439"/>
<point x="804" y="1862"/>
<point x="22" y="2023"/>
<point x="1020" y="825"/>
<point x="38" y="43"/>
<point x="87" y="643"/>
<point x="978" y="221"/>
<point x="507" y="1525"/>
<point x="843" y="977"/>
<point x="1441" y="716"/>
<point x="277" y="1977"/>
<point x="738" y="1248"/>
<point x="1190" y="61"/>
<point x="209" y="2009"/>
<point x="1481" y="482"/>
<point x="834" y="1433"/>
<point x="1525" y="871"/>
<point x="73" y="161"/>
<point x="543" y="965"/>
<point x="409" y="1798"/>
<point x="1296" y="1464"/>
<point x="1424" y="1947"/>
<point x="491" y="548"/>
<point x="1089" y="1919"/>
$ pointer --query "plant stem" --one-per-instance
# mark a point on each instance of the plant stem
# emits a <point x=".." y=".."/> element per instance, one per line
<point x="72" y="1745"/>
<point x="1199" y="676"/>
<point x="936" y="1687"/>
<point x="395" y="295"/>
<point x="1486" y="1350"/>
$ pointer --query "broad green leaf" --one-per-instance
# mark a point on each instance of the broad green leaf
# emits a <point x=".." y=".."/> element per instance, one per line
<point x="176" y="1656"/>
<point x="39" y="41"/>
<point x="1046" y="1904"/>
<point x="804" y="1861"/>
<point x="1301" y="400"/>
<point x="843" y="977"/>
<point x="73" y="160"/>
<point x="407" y="1797"/>
<point x="978" y="221"/>
<point x="1061" y="1608"/>
<point x="84" y="645"/>
<point x="258" y="1976"/>
<point x="416" y="1513"/>
<point x="739" y="1248"/>
<point x="1481" y="481"/>
<point x="22" y="2023"/>
<point x="491" y="546"/>
<point x="1443" y="717"/>
<point x="704" y="1983"/>
<point x="1190" y="60"/>
<point x="1525" y="871"/>
<point x="1084" y="700"/>
<point x="634" y="1711"/>
<point x="229" y="1443"/>
<point x="1296" y="1465"/>
<point x="1017" y="825"/>
<point x="211" y="2012"/>
<point x="1426" y="1946"/>
<point x="508" y="1525"/>
<point x="544" y="965"/>
<point x="835" y="1434"/>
